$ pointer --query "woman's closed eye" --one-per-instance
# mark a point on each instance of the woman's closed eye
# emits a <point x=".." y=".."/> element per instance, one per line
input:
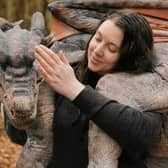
<point x="98" y="38"/>
<point x="112" y="48"/>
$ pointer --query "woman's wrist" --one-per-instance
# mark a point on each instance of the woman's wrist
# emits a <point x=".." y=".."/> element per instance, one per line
<point x="75" y="90"/>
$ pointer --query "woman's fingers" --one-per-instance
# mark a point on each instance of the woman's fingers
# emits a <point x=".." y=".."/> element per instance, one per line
<point x="56" y="70"/>
<point x="63" y="58"/>
<point x="42" y="57"/>
<point x="43" y="72"/>
<point x="43" y="63"/>
<point x="48" y="54"/>
<point x="49" y="65"/>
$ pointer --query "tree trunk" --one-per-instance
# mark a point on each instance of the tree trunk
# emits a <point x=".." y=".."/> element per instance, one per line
<point x="14" y="10"/>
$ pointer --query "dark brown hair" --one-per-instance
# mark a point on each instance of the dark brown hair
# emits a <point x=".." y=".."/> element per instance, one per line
<point x="136" y="52"/>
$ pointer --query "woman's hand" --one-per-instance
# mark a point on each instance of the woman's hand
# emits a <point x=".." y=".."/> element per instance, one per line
<point x="56" y="70"/>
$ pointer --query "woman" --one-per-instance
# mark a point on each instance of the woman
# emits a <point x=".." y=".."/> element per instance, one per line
<point x="123" y="42"/>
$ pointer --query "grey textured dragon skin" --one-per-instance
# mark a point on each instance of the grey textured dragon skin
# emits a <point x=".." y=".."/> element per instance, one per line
<point x="95" y="4"/>
<point x="86" y="15"/>
<point x="84" y="20"/>
<point x="28" y="105"/>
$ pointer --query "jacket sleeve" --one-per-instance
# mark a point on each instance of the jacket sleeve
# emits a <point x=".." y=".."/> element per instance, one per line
<point x="15" y="135"/>
<point x="135" y="131"/>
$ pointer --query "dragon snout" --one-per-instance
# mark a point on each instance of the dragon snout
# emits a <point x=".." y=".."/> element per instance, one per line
<point x="23" y="106"/>
<point x="22" y="112"/>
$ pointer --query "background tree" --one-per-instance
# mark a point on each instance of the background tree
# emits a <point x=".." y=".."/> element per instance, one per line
<point x="14" y="10"/>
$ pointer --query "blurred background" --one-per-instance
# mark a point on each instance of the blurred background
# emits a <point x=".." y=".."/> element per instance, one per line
<point x="14" y="10"/>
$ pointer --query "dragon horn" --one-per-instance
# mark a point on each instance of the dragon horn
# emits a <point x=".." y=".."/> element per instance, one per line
<point x="37" y="24"/>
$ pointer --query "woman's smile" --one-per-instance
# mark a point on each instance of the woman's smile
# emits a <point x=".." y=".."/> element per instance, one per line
<point x="95" y="60"/>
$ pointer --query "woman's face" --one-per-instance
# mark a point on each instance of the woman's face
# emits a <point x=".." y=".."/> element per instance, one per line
<point x="104" y="48"/>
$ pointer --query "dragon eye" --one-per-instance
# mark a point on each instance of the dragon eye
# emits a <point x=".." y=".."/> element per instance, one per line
<point x="6" y="27"/>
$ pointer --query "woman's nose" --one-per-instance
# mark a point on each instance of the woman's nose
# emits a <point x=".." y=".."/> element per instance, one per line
<point x="99" y="49"/>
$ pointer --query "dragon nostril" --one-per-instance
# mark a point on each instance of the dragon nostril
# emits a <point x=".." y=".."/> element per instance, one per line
<point x="5" y="96"/>
<point x="23" y="104"/>
<point x="12" y="112"/>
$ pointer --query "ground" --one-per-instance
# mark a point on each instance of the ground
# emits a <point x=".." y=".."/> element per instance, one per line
<point x="8" y="150"/>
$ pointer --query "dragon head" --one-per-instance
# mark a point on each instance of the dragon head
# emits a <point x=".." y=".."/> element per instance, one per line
<point x="18" y="75"/>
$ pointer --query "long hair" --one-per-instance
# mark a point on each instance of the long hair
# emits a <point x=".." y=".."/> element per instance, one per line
<point x="136" y="51"/>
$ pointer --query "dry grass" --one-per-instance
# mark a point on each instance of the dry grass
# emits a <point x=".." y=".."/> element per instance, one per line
<point x="8" y="150"/>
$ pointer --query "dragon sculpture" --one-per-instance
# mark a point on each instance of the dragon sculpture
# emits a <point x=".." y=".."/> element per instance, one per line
<point x="27" y="101"/>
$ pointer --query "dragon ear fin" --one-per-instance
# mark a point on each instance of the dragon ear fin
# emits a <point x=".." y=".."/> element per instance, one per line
<point x="16" y="23"/>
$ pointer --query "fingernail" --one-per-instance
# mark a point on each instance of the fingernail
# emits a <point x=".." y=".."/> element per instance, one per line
<point x="61" y="52"/>
<point x="36" y="47"/>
